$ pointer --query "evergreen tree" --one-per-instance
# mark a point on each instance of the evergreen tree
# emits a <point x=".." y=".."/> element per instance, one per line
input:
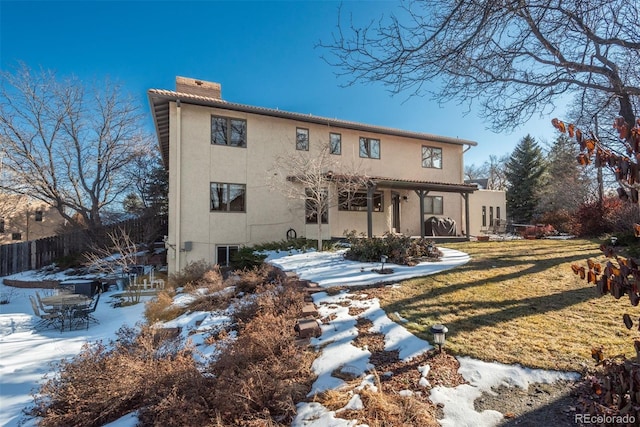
<point x="524" y="173"/>
<point x="566" y="184"/>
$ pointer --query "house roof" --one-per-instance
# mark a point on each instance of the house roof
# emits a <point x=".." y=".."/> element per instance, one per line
<point x="410" y="184"/>
<point x="403" y="184"/>
<point x="159" y="99"/>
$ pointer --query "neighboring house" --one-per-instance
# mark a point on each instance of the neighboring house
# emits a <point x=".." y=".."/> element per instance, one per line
<point x="487" y="209"/>
<point x="22" y="219"/>
<point x="221" y="156"/>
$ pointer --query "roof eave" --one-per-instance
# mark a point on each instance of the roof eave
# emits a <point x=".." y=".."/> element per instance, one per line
<point x="157" y="97"/>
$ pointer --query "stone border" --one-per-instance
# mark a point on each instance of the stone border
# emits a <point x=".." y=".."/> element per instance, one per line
<point x="31" y="284"/>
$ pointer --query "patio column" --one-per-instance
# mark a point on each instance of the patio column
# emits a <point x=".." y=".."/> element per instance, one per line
<point x="465" y="196"/>
<point x="370" y="190"/>
<point x="421" y="194"/>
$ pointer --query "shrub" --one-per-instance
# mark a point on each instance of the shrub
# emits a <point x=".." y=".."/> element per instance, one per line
<point x="561" y="220"/>
<point x="255" y="379"/>
<point x="161" y="308"/>
<point x="596" y="218"/>
<point x="246" y="257"/>
<point x="131" y="373"/>
<point x="192" y="272"/>
<point x="398" y="248"/>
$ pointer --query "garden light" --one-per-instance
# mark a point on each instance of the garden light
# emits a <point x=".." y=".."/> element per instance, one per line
<point x="439" y="332"/>
<point x="383" y="259"/>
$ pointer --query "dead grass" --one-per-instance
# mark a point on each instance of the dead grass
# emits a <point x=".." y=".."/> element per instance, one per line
<point x="517" y="302"/>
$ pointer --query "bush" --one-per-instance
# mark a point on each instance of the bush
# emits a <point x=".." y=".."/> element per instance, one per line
<point x="246" y="257"/>
<point x="595" y="218"/>
<point x="561" y="220"/>
<point x="255" y="380"/>
<point x="192" y="272"/>
<point x="398" y="248"/>
<point x="161" y="308"/>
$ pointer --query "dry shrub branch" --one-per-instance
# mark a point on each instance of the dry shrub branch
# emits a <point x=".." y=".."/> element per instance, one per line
<point x="255" y="380"/>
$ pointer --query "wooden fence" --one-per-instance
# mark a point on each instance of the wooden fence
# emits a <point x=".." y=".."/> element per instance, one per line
<point x="34" y="254"/>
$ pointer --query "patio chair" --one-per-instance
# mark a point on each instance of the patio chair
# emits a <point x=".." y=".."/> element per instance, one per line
<point x="46" y="319"/>
<point x="84" y="314"/>
<point x="42" y="306"/>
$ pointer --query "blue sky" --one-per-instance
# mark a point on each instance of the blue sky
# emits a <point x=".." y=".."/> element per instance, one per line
<point x="263" y="53"/>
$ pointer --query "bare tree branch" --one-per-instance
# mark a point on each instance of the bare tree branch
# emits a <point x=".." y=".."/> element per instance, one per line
<point x="66" y="144"/>
<point x="513" y="57"/>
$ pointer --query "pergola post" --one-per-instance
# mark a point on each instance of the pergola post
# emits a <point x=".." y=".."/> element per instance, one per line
<point x="421" y="194"/>
<point x="370" y="191"/>
<point x="466" y="213"/>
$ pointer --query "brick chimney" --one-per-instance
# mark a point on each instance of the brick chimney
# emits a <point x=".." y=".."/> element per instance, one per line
<point x="198" y="87"/>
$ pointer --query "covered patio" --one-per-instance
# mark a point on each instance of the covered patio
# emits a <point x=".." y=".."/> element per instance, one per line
<point x="422" y="189"/>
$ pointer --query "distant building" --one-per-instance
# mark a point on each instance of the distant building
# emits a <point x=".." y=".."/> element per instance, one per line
<point x="487" y="209"/>
<point x="23" y="219"/>
<point x="219" y="154"/>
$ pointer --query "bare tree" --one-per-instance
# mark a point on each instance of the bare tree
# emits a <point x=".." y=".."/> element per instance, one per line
<point x="116" y="260"/>
<point x="515" y="57"/>
<point x="496" y="168"/>
<point x="312" y="177"/>
<point x="67" y="145"/>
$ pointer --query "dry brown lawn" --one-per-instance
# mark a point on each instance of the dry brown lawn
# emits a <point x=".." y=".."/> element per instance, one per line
<point x="518" y="302"/>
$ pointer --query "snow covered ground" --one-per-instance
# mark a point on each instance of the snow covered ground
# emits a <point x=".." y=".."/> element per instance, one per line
<point x="26" y="354"/>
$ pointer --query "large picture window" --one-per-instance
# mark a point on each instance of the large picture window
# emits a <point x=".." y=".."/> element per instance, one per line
<point x="228" y="197"/>
<point x="369" y="148"/>
<point x="312" y="207"/>
<point x="358" y="201"/>
<point x="228" y="131"/>
<point x="433" y="205"/>
<point x="302" y="139"/>
<point x="431" y="157"/>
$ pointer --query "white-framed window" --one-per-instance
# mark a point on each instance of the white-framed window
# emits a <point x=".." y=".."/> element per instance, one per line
<point x="369" y="148"/>
<point x="228" y="131"/>
<point x="335" y="143"/>
<point x="224" y="254"/>
<point x="433" y="205"/>
<point x="358" y="201"/>
<point x="228" y="197"/>
<point x="484" y="216"/>
<point x="431" y="157"/>
<point x="302" y="139"/>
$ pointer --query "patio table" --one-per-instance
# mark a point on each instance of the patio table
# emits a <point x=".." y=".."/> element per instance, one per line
<point x="66" y="303"/>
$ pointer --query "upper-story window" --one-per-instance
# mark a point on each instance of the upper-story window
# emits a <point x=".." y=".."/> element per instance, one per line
<point x="302" y="139"/>
<point x="335" y="143"/>
<point x="431" y="157"/>
<point x="228" y="131"/>
<point x="228" y="197"/>
<point x="2" y="225"/>
<point x="39" y="215"/>
<point x="369" y="148"/>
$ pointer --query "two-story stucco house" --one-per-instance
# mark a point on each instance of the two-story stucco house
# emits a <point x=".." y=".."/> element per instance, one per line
<point x="220" y="156"/>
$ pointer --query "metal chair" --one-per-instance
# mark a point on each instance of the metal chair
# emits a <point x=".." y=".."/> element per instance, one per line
<point x="46" y="319"/>
<point x="82" y="314"/>
<point x="42" y="306"/>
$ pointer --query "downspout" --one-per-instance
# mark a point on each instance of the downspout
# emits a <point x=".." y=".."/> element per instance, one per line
<point x="178" y="236"/>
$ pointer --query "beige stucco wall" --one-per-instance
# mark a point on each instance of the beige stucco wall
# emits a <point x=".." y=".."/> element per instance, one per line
<point x="19" y="214"/>
<point x="269" y="213"/>
<point x="490" y="199"/>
